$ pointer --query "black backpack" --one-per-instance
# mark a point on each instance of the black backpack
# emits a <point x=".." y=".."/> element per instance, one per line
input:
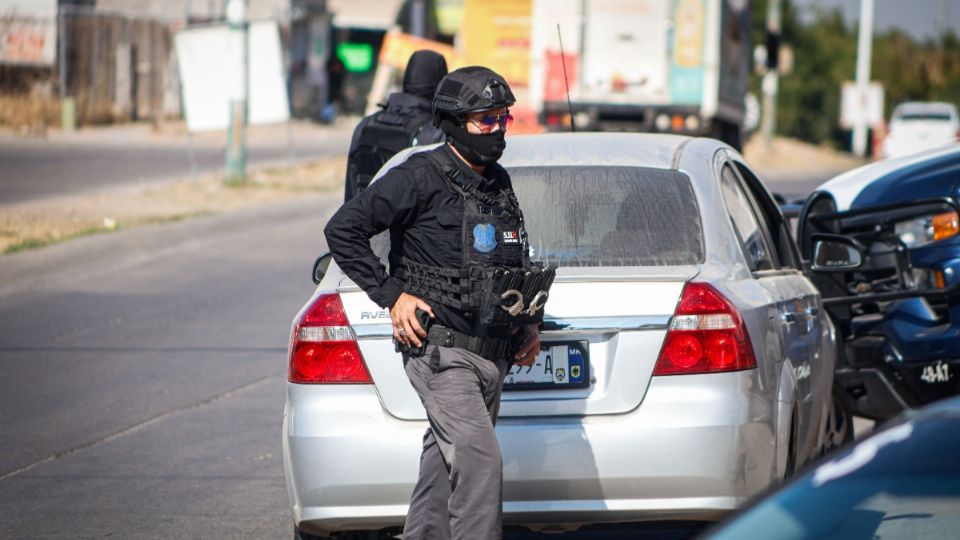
<point x="387" y="133"/>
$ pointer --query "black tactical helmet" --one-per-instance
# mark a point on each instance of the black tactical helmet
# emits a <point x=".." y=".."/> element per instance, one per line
<point x="470" y="89"/>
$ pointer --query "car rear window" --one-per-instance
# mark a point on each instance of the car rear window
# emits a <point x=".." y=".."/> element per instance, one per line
<point x="610" y="216"/>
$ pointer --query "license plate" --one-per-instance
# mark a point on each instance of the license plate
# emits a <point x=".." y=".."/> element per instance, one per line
<point x="559" y="365"/>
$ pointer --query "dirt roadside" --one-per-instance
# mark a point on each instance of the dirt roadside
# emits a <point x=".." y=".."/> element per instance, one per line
<point x="790" y="158"/>
<point x="37" y="223"/>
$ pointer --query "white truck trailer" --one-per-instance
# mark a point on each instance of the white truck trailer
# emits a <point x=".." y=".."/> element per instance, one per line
<point x="675" y="66"/>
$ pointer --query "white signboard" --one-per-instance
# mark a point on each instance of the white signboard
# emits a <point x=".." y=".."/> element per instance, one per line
<point x="28" y="32"/>
<point x="856" y="106"/>
<point x="209" y="60"/>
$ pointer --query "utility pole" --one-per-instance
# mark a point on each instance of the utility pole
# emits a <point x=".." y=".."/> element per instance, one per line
<point x="864" y="49"/>
<point x="941" y="21"/>
<point x="68" y="104"/>
<point x="237" y="131"/>
<point x="771" y="79"/>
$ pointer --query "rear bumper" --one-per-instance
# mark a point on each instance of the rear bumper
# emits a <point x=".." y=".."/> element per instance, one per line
<point x="695" y="449"/>
<point x="625" y="116"/>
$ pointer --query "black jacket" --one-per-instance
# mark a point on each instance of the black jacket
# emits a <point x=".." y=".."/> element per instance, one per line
<point x="425" y="221"/>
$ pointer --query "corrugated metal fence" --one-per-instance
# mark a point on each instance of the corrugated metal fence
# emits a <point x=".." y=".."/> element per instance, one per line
<point x="117" y="67"/>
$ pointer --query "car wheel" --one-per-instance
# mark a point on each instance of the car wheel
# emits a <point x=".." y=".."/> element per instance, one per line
<point x="838" y="430"/>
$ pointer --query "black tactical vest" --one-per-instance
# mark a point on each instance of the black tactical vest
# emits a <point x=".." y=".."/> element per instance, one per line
<point x="388" y="132"/>
<point x="495" y="288"/>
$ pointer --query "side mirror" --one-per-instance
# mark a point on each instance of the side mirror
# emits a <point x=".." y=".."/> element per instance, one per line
<point x="835" y="253"/>
<point x="320" y="267"/>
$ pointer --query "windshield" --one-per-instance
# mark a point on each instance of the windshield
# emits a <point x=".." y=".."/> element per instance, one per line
<point x="609" y="216"/>
<point x="902" y="484"/>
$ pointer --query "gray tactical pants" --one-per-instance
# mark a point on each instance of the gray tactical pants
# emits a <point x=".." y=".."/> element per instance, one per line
<point x="459" y="492"/>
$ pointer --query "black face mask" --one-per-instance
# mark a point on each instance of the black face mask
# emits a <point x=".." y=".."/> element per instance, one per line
<point x="478" y="148"/>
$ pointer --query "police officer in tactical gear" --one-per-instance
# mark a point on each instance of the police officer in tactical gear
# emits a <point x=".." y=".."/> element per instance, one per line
<point x="464" y="298"/>
<point x="405" y="120"/>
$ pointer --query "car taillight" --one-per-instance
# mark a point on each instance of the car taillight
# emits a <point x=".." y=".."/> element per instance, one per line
<point x="324" y="347"/>
<point x="706" y="335"/>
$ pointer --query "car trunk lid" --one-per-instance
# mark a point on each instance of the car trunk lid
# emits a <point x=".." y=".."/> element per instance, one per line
<point x="619" y="315"/>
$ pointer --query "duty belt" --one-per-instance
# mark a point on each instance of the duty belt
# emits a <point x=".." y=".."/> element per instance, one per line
<point x="491" y="348"/>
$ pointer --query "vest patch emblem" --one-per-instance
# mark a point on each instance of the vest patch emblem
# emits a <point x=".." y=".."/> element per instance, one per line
<point x="484" y="237"/>
<point x="511" y="237"/>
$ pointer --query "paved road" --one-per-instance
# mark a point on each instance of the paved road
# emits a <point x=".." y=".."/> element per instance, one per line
<point x="100" y="158"/>
<point x="143" y="377"/>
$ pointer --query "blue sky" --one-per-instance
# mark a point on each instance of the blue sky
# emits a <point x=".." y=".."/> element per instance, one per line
<point x="916" y="17"/>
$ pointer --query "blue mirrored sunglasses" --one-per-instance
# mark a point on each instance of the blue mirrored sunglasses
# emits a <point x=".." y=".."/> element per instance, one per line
<point x="488" y="121"/>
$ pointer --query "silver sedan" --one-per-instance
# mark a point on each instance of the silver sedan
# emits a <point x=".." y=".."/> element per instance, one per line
<point x="686" y="363"/>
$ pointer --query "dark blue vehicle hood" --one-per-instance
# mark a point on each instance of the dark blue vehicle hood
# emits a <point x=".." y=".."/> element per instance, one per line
<point x="937" y="177"/>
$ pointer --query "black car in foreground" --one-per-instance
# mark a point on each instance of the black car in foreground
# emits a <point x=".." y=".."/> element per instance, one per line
<point x="900" y="483"/>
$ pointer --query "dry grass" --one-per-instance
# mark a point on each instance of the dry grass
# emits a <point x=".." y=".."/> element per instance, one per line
<point x="29" y="115"/>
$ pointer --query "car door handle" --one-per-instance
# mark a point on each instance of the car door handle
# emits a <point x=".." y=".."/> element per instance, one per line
<point x="789" y="317"/>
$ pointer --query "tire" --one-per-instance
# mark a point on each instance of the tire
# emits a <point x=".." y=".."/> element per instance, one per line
<point x="838" y="430"/>
<point x="728" y="133"/>
<point x="734" y="137"/>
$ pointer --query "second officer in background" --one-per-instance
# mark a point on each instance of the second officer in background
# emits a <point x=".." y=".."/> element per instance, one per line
<point x="406" y="119"/>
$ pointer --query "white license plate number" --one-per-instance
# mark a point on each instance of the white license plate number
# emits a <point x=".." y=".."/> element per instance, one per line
<point x="559" y="365"/>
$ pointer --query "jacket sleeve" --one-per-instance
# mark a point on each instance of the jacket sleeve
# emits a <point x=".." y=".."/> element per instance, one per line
<point x="390" y="201"/>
